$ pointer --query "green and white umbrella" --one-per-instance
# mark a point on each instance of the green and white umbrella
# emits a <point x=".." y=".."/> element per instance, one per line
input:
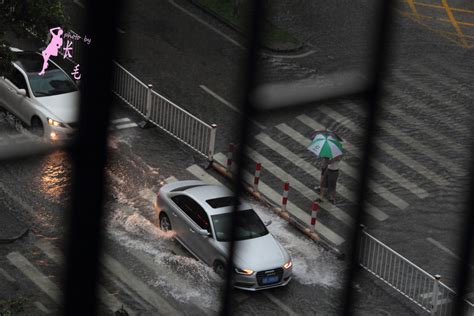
<point x="325" y="146"/>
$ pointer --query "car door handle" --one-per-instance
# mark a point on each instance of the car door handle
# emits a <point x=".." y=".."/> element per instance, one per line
<point x="191" y="230"/>
<point x="174" y="214"/>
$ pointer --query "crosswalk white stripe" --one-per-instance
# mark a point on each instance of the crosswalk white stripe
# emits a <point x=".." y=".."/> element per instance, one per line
<point x="412" y="142"/>
<point x="449" y="142"/>
<point x="379" y="166"/>
<point x="443" y="80"/>
<point x="427" y="110"/>
<point x="125" y="276"/>
<point x="315" y="172"/>
<point x="388" y="149"/>
<point x="294" y="210"/>
<point x="120" y="120"/>
<point x="41" y="307"/>
<point x="6" y="275"/>
<point x="128" y="125"/>
<point x="171" y="179"/>
<point x="107" y="298"/>
<point x="35" y="275"/>
<point x="303" y="189"/>
<point x="201" y="174"/>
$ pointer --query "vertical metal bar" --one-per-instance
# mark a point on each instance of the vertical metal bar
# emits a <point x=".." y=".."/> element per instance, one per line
<point x="89" y="160"/>
<point x="377" y="70"/>
<point x="212" y="142"/>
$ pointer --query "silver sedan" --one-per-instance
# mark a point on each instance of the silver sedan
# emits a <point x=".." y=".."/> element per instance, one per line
<point x="200" y="214"/>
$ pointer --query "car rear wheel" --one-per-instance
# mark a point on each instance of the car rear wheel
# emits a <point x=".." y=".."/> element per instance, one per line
<point x="165" y="224"/>
<point x="219" y="269"/>
<point x="37" y="127"/>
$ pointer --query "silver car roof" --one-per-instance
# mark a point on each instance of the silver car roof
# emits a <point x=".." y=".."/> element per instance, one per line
<point x="209" y="191"/>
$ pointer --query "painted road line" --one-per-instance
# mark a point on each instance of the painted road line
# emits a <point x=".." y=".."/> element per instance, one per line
<point x="303" y="189"/>
<point x="120" y="30"/>
<point x="388" y="149"/>
<point x="296" y="56"/>
<point x="6" y="275"/>
<point x="202" y="175"/>
<point x="347" y="169"/>
<point x="294" y="210"/>
<point x="280" y="304"/>
<point x="416" y="145"/>
<point x="126" y="290"/>
<point x="441" y="79"/>
<point x="125" y="276"/>
<point x="449" y="252"/>
<point x="426" y="110"/>
<point x="171" y="179"/>
<point x="311" y="169"/>
<point x="120" y="120"/>
<point x="424" y="88"/>
<point x="107" y="298"/>
<point x="122" y="126"/>
<point x="449" y="142"/>
<point x="206" y="24"/>
<point x="315" y="172"/>
<point x="38" y="278"/>
<point x="42" y="308"/>
<point x="379" y="166"/>
<point x="227" y="103"/>
<point x="79" y="3"/>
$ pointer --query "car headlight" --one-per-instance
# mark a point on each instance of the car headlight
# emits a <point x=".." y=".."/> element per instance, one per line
<point x="55" y="123"/>
<point x="244" y="271"/>
<point x="288" y="265"/>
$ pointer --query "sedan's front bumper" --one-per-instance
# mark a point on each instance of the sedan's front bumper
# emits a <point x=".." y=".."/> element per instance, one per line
<point x="56" y="133"/>
<point x="251" y="283"/>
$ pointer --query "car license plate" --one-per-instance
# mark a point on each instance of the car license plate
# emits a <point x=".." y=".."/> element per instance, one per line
<point x="270" y="279"/>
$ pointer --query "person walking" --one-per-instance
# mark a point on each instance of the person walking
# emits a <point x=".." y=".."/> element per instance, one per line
<point x="330" y="179"/>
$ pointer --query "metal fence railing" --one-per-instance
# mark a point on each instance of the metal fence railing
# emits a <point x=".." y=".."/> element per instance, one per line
<point x="158" y="110"/>
<point x="163" y="113"/>
<point x="420" y="287"/>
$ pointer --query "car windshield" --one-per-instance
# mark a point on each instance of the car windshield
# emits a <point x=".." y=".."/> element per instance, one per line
<point x="53" y="82"/>
<point x="247" y="226"/>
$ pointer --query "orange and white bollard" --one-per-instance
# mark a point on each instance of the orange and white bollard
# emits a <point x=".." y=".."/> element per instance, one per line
<point x="256" y="179"/>
<point x="230" y="155"/>
<point x="284" y="198"/>
<point x="314" y="215"/>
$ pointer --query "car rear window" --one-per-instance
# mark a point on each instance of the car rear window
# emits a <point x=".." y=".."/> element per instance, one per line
<point x="221" y="202"/>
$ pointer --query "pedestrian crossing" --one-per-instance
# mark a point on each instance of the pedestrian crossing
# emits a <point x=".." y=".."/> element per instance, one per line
<point x="407" y="168"/>
<point x="122" y="123"/>
<point x="128" y="287"/>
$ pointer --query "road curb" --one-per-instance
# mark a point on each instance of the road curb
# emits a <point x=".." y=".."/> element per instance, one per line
<point x="9" y="240"/>
<point x="236" y="29"/>
<point x="283" y="214"/>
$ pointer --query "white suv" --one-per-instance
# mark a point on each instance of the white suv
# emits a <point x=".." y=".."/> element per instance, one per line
<point x="47" y="104"/>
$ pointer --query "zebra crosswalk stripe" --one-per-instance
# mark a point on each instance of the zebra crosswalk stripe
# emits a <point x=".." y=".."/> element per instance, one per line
<point x="315" y="172"/>
<point x="201" y="174"/>
<point x="35" y="275"/>
<point x="352" y="172"/>
<point x="107" y="298"/>
<point x="388" y="149"/>
<point x="379" y="166"/>
<point x="294" y="210"/>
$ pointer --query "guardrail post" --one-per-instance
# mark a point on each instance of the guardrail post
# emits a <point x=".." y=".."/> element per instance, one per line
<point x="146" y="122"/>
<point x="212" y="143"/>
<point x="284" y="198"/>
<point x="437" y="279"/>
<point x="256" y="179"/>
<point x="314" y="215"/>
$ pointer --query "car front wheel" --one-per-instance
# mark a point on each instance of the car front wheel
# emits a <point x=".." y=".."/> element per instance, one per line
<point x="219" y="269"/>
<point x="165" y="224"/>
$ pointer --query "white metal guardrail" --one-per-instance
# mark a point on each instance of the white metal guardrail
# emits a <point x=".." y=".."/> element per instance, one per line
<point x="163" y="113"/>
<point x="158" y="110"/>
<point x="420" y="287"/>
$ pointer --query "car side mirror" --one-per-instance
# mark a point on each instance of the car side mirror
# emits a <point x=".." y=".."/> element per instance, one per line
<point x="267" y="223"/>
<point x="204" y="232"/>
<point x="21" y="92"/>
